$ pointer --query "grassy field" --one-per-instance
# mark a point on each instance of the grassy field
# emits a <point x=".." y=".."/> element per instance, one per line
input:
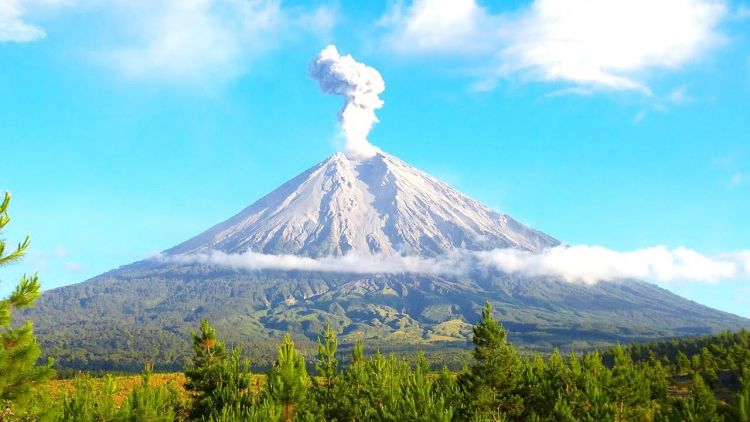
<point x="58" y="389"/>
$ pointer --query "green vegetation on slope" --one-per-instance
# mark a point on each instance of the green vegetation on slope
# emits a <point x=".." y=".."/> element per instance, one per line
<point x="144" y="312"/>
<point x="498" y="384"/>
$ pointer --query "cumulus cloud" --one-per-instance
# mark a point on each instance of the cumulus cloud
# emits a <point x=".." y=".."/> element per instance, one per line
<point x="577" y="264"/>
<point x="439" y="26"/>
<point x="590" y="264"/>
<point x="360" y="86"/>
<point x="199" y="40"/>
<point x="611" y="44"/>
<point x="13" y="28"/>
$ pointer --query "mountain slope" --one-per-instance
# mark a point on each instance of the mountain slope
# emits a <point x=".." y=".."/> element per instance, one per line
<point x="380" y="205"/>
<point x="144" y="311"/>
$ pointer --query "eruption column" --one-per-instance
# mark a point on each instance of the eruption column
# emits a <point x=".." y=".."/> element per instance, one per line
<point x="360" y="85"/>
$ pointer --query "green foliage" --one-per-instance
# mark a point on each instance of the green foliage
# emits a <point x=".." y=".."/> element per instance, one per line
<point x="89" y="402"/>
<point x="629" y="389"/>
<point x="327" y="370"/>
<point x="19" y="351"/>
<point x="218" y="380"/>
<point x="608" y="386"/>
<point x="288" y="382"/>
<point x="743" y="397"/>
<point x="150" y="404"/>
<point x="381" y="388"/>
<point x="492" y="383"/>
<point x="116" y="321"/>
<point x="95" y="402"/>
<point x="262" y="412"/>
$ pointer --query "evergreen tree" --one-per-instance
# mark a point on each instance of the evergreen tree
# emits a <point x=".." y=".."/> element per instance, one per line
<point x="204" y="376"/>
<point x="702" y="403"/>
<point x="492" y="383"/>
<point x="629" y="389"/>
<point x="327" y="368"/>
<point x="420" y="399"/>
<point x="288" y="380"/>
<point x="217" y="380"/>
<point x="447" y="388"/>
<point x="90" y="402"/>
<point x="147" y="403"/>
<point x="743" y="397"/>
<point x="683" y="363"/>
<point x="19" y="350"/>
<point x="709" y="367"/>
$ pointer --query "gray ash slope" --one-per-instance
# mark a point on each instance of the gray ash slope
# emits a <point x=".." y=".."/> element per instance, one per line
<point x="144" y="311"/>
<point x="379" y="205"/>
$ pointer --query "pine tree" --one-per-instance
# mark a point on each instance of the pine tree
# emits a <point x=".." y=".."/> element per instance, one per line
<point x="418" y="396"/>
<point x="327" y="367"/>
<point x="218" y="380"/>
<point x="19" y="350"/>
<point x="492" y="383"/>
<point x="90" y="402"/>
<point x="629" y="389"/>
<point x="709" y="367"/>
<point x="683" y="363"/>
<point x="743" y="397"/>
<point x="147" y="403"/>
<point x="288" y="380"/>
<point x="702" y="405"/>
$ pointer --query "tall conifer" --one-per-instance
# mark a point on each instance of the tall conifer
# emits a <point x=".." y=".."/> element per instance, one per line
<point x="19" y="350"/>
<point x="492" y="383"/>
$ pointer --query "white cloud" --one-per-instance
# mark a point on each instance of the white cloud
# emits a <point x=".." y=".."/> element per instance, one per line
<point x="12" y="25"/>
<point x="580" y="264"/>
<point x="438" y="26"/>
<point x="610" y="44"/>
<point x="72" y="267"/>
<point x="180" y="40"/>
<point x="590" y="264"/>
<point x="199" y="40"/>
<point x="743" y="257"/>
<point x="352" y="263"/>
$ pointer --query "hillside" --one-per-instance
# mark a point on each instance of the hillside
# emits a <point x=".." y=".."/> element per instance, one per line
<point x="125" y="317"/>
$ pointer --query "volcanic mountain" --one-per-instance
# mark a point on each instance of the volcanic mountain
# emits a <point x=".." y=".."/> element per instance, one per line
<point x="378" y="206"/>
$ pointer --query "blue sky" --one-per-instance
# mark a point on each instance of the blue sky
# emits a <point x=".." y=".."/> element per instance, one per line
<point x="129" y="126"/>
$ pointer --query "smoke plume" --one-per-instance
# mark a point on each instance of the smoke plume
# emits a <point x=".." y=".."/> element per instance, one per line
<point x="360" y="86"/>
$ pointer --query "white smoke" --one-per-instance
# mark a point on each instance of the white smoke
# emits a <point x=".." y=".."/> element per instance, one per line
<point x="576" y="264"/>
<point x="360" y="85"/>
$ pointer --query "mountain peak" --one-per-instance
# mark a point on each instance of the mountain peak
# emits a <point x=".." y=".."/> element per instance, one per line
<point x="367" y="206"/>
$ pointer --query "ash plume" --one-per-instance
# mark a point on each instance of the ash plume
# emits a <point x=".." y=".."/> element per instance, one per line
<point x="360" y="86"/>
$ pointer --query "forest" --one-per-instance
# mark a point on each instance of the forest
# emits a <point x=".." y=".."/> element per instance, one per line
<point x="693" y="379"/>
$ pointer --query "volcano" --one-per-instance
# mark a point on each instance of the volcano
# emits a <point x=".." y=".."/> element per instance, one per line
<point x="377" y="206"/>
